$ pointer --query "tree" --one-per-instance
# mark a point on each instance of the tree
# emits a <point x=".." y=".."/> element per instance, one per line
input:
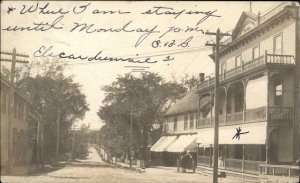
<point x="147" y="97"/>
<point x="54" y="94"/>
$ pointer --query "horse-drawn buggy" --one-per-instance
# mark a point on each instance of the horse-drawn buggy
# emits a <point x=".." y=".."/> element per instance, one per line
<point x="186" y="162"/>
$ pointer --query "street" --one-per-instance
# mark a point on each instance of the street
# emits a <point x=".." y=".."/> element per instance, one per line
<point x="94" y="170"/>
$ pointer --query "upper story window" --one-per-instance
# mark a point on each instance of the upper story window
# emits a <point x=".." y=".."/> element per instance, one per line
<point x="278" y="44"/>
<point x="165" y="123"/>
<point x="20" y="110"/>
<point x="175" y="124"/>
<point x="192" y="121"/>
<point x="255" y="52"/>
<point x="15" y="107"/>
<point x="238" y="61"/>
<point x="278" y="93"/>
<point x="185" y="122"/>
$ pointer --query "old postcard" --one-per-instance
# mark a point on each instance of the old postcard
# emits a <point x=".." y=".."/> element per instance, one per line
<point x="150" y="91"/>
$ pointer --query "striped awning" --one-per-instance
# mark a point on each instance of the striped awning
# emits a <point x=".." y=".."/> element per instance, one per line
<point x="254" y="133"/>
<point x="184" y="143"/>
<point x="163" y="143"/>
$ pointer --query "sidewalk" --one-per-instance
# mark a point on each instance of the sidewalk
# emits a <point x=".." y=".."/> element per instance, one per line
<point x="127" y="166"/>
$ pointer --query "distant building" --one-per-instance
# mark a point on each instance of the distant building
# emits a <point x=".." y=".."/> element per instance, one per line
<point x="26" y="130"/>
<point x="259" y="94"/>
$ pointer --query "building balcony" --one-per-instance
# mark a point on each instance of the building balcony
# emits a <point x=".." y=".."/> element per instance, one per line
<point x="250" y="66"/>
<point x="249" y="116"/>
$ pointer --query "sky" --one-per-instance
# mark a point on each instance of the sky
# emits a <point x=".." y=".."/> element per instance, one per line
<point x="174" y="34"/>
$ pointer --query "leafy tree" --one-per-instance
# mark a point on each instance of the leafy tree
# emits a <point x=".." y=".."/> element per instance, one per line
<point x="146" y="97"/>
<point x="55" y="95"/>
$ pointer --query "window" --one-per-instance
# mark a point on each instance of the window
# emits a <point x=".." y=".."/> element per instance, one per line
<point x="278" y="44"/>
<point x="165" y="126"/>
<point x="20" y="110"/>
<point x="15" y="107"/>
<point x="197" y="121"/>
<point x="278" y="93"/>
<point x="238" y="61"/>
<point x="3" y="101"/>
<point x="192" y="121"/>
<point x="185" y="122"/>
<point x="255" y="53"/>
<point x="175" y="124"/>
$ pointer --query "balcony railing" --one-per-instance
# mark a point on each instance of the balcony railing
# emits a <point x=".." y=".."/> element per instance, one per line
<point x="280" y="113"/>
<point x="256" y="114"/>
<point x="252" y="166"/>
<point x="240" y="165"/>
<point x="235" y="117"/>
<point x="249" y="116"/>
<point x="279" y="170"/>
<point x="266" y="59"/>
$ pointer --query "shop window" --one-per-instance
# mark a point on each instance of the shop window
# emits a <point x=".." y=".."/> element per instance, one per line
<point x="185" y="122"/>
<point x="192" y="121"/>
<point x="175" y="124"/>
<point x="278" y="44"/>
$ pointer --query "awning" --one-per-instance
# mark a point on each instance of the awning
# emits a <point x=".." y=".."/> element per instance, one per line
<point x="256" y="135"/>
<point x="163" y="143"/>
<point x="184" y="143"/>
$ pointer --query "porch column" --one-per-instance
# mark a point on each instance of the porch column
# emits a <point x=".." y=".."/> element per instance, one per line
<point x="211" y="107"/>
<point x="243" y="162"/>
<point x="225" y="101"/>
<point x="197" y="154"/>
<point x="210" y="159"/>
<point x="225" y="156"/>
<point x="198" y="117"/>
<point x="245" y="82"/>
<point x="267" y="117"/>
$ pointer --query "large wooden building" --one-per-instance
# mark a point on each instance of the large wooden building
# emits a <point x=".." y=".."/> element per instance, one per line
<point x="26" y="131"/>
<point x="259" y="94"/>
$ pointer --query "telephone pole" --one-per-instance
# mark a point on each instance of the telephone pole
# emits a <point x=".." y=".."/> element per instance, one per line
<point x="216" y="47"/>
<point x="13" y="61"/>
<point x="130" y="138"/>
<point x="57" y="137"/>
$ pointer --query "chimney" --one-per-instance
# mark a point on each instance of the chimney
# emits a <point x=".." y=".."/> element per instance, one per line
<point x="201" y="77"/>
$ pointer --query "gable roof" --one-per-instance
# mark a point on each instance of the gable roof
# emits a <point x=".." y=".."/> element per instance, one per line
<point x="243" y="21"/>
<point x="189" y="103"/>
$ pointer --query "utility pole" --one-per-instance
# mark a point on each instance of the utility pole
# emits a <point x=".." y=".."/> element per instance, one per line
<point x="57" y="137"/>
<point x="73" y="142"/>
<point x="217" y="101"/>
<point x="130" y="145"/>
<point x="13" y="61"/>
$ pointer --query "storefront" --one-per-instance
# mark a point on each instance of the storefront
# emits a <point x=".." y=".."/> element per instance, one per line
<point x="242" y="151"/>
<point x="158" y="154"/>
